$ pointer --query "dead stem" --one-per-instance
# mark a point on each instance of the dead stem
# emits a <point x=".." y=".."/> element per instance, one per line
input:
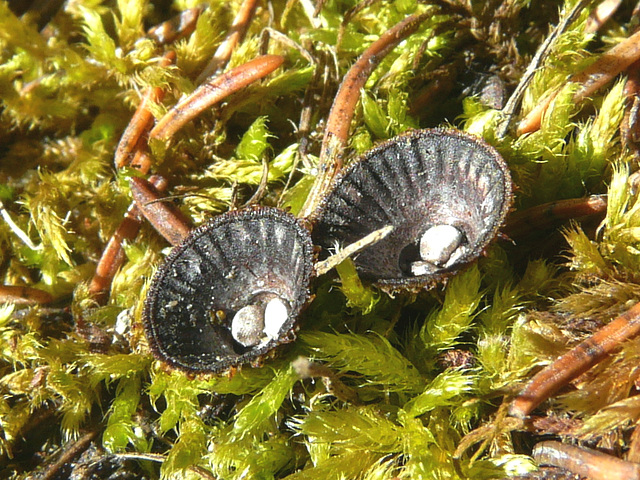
<point x="213" y="92"/>
<point x="141" y="121"/>
<point x="262" y="187"/>
<point x="630" y="125"/>
<point x="601" y="14"/>
<point x="305" y="368"/>
<point x="514" y="101"/>
<point x="542" y="217"/>
<point x="576" y="361"/>
<point x="234" y="37"/>
<point x="68" y="454"/>
<point x="344" y="104"/>
<point x="591" y="79"/>
<point x="167" y="219"/>
<point x="113" y="254"/>
<point x="585" y="462"/>
<point x="180" y="26"/>
<point x="20" y="295"/>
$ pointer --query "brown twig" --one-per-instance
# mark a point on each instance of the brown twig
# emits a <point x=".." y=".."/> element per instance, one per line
<point x="23" y="295"/>
<point x="142" y="120"/>
<point x="630" y="125"/>
<point x="576" y="361"/>
<point x="262" y="187"/>
<point x="180" y="26"/>
<point x="316" y="98"/>
<point x="167" y="219"/>
<point x="141" y="160"/>
<point x="213" y="92"/>
<point x="344" y="104"/>
<point x="236" y="34"/>
<point x="601" y="14"/>
<point x="269" y="34"/>
<point x="541" y="217"/>
<point x="113" y="254"/>
<point x="68" y="454"/>
<point x="305" y="368"/>
<point x="543" y="51"/>
<point x="349" y="14"/>
<point x="591" y="79"/>
<point x="585" y="462"/>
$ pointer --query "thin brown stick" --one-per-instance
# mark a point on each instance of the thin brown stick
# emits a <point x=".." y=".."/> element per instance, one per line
<point x="213" y="92"/>
<point x="576" y="361"/>
<point x="141" y="160"/>
<point x="591" y="79"/>
<point x="113" y="254"/>
<point x="23" y="295"/>
<point x="630" y="125"/>
<point x="543" y="216"/>
<point x="168" y="220"/>
<point x="543" y="51"/>
<point x="269" y="34"/>
<point x="585" y="462"/>
<point x="68" y="454"/>
<point x="236" y="34"/>
<point x="262" y="187"/>
<point x="344" y="104"/>
<point x="349" y="14"/>
<point x="305" y="368"/>
<point x="141" y="121"/>
<point x="180" y="26"/>
<point x="601" y="15"/>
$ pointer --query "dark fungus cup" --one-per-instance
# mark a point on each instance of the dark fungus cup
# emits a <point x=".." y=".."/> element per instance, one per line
<point x="446" y="194"/>
<point x="231" y="292"/>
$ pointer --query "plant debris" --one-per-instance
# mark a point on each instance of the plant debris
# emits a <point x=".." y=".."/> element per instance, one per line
<point x="417" y="385"/>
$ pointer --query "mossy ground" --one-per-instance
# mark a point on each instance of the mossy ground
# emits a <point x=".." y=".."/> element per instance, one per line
<point x="67" y="94"/>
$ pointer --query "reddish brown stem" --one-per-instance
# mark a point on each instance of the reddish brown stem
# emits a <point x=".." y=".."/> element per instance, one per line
<point x="168" y="220"/>
<point x="630" y="125"/>
<point x="68" y="454"/>
<point x="576" y="361"/>
<point x="543" y="216"/>
<point x="141" y="160"/>
<point x="585" y="462"/>
<point x="113" y="254"/>
<point x="213" y="92"/>
<point x="180" y="26"/>
<point x="610" y="64"/>
<point x="141" y="122"/>
<point x="23" y="295"/>
<point x="441" y="84"/>
<point x="236" y="34"/>
<point x="344" y="104"/>
<point x="601" y="14"/>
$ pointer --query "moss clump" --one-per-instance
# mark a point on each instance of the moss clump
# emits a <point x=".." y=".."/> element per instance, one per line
<point x="430" y="371"/>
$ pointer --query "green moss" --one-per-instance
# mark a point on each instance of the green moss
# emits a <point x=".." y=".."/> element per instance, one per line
<point x="68" y="92"/>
